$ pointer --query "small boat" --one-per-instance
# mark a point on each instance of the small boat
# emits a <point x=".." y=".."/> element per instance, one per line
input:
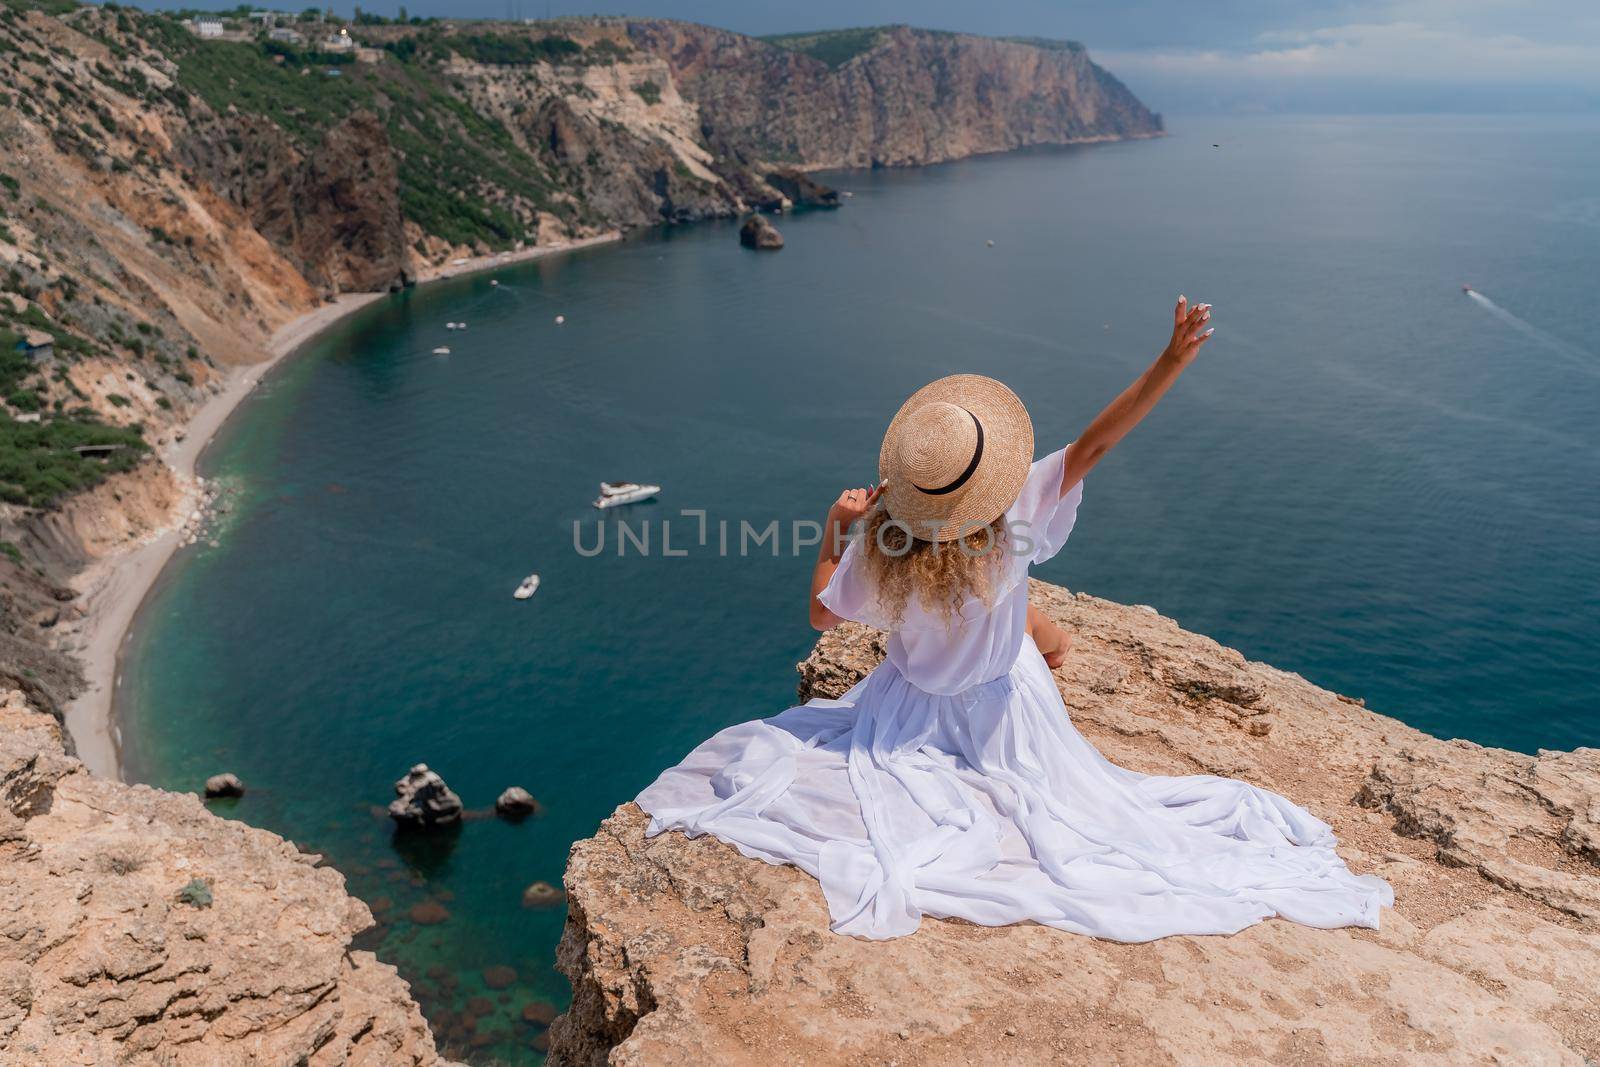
<point x="441" y="351"/>
<point x="1465" y="288"/>
<point x="990" y="244"/>
<point x="529" y="586"/>
<point x="494" y="281"/>
<point x="561" y="320"/>
<point x="616" y="494"/>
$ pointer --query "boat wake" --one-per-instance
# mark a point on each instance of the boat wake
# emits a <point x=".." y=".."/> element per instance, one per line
<point x="1571" y="352"/>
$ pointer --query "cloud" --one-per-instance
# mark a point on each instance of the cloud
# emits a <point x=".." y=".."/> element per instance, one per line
<point x="1397" y="52"/>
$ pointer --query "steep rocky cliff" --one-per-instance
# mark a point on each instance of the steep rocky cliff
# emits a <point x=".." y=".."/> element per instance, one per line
<point x="897" y="97"/>
<point x="684" y="951"/>
<point x="140" y="929"/>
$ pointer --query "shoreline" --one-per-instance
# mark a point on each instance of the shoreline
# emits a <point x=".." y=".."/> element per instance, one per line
<point x="113" y="589"/>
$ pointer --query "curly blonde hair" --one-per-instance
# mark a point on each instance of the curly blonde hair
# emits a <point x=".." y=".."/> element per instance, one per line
<point x="942" y="574"/>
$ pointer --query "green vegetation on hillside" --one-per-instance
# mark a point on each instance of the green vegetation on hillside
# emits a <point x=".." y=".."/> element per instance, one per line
<point x="513" y="51"/>
<point x="833" y="47"/>
<point x="39" y="463"/>
<point x="49" y="7"/>
<point x="460" y="172"/>
<point x="1049" y="44"/>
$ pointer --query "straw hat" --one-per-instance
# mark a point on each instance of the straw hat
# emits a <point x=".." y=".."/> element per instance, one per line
<point x="955" y="456"/>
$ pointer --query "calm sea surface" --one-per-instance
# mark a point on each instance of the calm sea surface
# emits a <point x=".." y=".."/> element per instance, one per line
<point x="1370" y="478"/>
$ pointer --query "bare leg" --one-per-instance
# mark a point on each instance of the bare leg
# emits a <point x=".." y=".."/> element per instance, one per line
<point x="1054" y="642"/>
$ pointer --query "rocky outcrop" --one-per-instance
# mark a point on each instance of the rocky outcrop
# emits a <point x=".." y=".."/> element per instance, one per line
<point x="139" y="929"/>
<point x="423" y="802"/>
<point x="685" y="951"/>
<point x="224" y="786"/>
<point x="801" y="189"/>
<point x="912" y="97"/>
<point x="515" y="803"/>
<point x="758" y="233"/>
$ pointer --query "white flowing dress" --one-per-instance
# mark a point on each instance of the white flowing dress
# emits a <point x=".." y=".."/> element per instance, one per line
<point x="950" y="782"/>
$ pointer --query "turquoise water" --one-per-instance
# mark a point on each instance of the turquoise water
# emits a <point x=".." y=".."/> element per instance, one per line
<point x="1370" y="478"/>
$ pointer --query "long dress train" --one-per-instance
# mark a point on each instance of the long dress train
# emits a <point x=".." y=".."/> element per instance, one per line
<point x="950" y="782"/>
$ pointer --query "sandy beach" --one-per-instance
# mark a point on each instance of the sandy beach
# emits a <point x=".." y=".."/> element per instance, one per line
<point x="112" y="589"/>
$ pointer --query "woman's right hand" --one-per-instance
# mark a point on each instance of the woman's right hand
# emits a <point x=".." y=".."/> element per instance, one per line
<point x="851" y="505"/>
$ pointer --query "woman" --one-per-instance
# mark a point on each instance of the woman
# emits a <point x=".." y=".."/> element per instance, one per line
<point x="949" y="781"/>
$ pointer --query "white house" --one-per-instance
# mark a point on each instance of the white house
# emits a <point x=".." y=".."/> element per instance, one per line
<point x="207" y="27"/>
<point x="338" y="42"/>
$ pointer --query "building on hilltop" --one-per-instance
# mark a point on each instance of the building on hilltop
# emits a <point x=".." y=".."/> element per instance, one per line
<point x="204" y="27"/>
<point x="37" y="345"/>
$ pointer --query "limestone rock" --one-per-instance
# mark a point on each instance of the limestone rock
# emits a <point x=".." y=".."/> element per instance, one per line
<point x="515" y="803"/>
<point x="682" y="950"/>
<point x="911" y="97"/>
<point x="111" y="955"/>
<point x="757" y="232"/>
<point x="541" y="895"/>
<point x="423" y="802"/>
<point x="224" y="785"/>
<point x="802" y="189"/>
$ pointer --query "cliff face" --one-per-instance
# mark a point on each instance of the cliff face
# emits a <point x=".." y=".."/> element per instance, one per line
<point x="167" y="202"/>
<point x="140" y="929"/>
<point x="908" y="97"/>
<point x="333" y="209"/>
<point x="684" y="951"/>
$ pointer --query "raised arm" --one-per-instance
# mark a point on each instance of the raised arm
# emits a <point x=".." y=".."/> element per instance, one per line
<point x="851" y="506"/>
<point x="1189" y="332"/>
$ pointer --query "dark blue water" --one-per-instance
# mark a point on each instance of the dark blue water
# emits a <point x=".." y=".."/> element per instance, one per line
<point x="1369" y="478"/>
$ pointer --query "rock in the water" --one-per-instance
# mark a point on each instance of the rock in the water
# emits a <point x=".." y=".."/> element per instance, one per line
<point x="422" y="800"/>
<point x="539" y="1013"/>
<point x="428" y="913"/>
<point x="542" y="895"/>
<point x="757" y="232"/>
<point x="802" y="189"/>
<point x="224" y="785"/>
<point x="516" y="803"/>
<point x="499" y="976"/>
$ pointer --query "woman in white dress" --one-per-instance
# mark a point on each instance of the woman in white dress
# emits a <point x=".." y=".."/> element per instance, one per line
<point x="950" y="781"/>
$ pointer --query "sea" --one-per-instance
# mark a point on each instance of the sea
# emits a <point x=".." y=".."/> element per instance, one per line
<point x="1383" y="473"/>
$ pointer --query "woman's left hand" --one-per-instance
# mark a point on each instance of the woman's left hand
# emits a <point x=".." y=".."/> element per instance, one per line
<point x="1189" y="330"/>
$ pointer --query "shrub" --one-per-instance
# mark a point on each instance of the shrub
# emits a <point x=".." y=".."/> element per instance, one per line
<point x="38" y="464"/>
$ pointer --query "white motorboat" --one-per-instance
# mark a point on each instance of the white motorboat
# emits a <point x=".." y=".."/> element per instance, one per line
<point x="616" y="494"/>
<point x="441" y="351"/>
<point x="529" y="586"/>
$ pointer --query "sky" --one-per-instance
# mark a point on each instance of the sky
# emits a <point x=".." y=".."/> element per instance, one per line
<point x="1219" y="56"/>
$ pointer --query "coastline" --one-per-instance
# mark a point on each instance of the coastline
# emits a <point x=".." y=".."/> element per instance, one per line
<point x="112" y="589"/>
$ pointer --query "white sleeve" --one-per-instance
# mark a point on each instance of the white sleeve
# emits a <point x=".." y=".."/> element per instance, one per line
<point x="850" y="593"/>
<point x="1041" y="519"/>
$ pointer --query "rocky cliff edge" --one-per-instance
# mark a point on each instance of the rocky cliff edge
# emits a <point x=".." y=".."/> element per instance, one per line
<point x="137" y="928"/>
<point x="683" y="951"/>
